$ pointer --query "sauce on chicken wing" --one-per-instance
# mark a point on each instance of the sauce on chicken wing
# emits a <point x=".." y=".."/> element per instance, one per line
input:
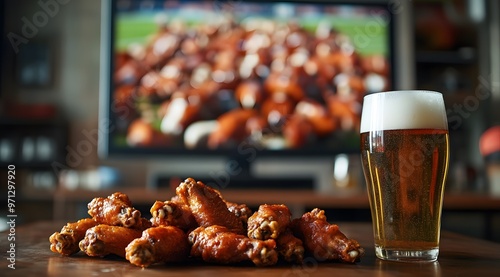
<point x="207" y="207"/>
<point x="218" y="244"/>
<point x="158" y="244"/>
<point x="324" y="240"/>
<point x="66" y="241"/>
<point x="115" y="210"/>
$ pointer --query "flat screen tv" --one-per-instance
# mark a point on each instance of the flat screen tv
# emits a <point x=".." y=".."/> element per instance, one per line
<point x="241" y="79"/>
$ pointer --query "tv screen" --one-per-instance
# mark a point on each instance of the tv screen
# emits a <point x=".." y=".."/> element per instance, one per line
<point x="213" y="77"/>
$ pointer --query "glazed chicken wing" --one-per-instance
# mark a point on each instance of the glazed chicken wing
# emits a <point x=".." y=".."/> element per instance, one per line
<point x="207" y="206"/>
<point x="103" y="240"/>
<point x="218" y="244"/>
<point x="269" y="222"/>
<point x="175" y="213"/>
<point x="289" y="247"/>
<point x="158" y="244"/>
<point x="116" y="210"/>
<point x="170" y="213"/>
<point x="66" y="241"/>
<point x="230" y="128"/>
<point x="324" y="240"/>
<point x="242" y="211"/>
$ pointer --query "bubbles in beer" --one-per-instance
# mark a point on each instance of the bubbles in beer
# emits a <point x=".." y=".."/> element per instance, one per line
<point x="403" y="110"/>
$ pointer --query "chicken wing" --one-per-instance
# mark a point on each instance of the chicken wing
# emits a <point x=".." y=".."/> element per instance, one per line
<point x="66" y="241"/>
<point x="230" y="128"/>
<point x="116" y="210"/>
<point x="324" y="240"/>
<point x="289" y="247"/>
<point x="268" y="222"/>
<point x="218" y="244"/>
<point x="207" y="206"/>
<point x="102" y="240"/>
<point x="170" y="213"/>
<point x="242" y="211"/>
<point x="175" y="213"/>
<point x="157" y="245"/>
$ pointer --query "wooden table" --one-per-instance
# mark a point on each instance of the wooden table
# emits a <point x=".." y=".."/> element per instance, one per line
<point x="460" y="256"/>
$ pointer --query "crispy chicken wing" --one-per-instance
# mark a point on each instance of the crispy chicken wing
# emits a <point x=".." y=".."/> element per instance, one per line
<point x="157" y="245"/>
<point x="116" y="210"/>
<point x="219" y="231"/>
<point x="66" y="241"/>
<point x="324" y="240"/>
<point x="230" y="128"/>
<point x="207" y="206"/>
<point x="103" y="240"/>
<point x="219" y="245"/>
<point x="289" y="247"/>
<point x="242" y="211"/>
<point x="170" y="213"/>
<point x="175" y="213"/>
<point x="269" y="222"/>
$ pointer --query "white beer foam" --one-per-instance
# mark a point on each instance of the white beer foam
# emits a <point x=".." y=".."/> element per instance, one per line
<point x="412" y="109"/>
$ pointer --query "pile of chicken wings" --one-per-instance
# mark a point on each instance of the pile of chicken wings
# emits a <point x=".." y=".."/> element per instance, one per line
<point x="198" y="224"/>
<point x="271" y="84"/>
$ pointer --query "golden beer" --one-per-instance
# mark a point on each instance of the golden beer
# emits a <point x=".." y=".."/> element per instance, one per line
<point x="405" y="166"/>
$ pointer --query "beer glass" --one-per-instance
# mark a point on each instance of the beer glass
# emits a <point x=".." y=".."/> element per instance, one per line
<point x="404" y="152"/>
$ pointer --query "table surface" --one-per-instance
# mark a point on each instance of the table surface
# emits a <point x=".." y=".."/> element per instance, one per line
<point x="459" y="256"/>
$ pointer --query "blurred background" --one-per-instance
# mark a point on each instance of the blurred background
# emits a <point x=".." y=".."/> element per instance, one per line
<point x="50" y="106"/>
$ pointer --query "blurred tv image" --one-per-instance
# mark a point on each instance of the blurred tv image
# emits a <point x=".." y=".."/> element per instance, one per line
<point x="213" y="75"/>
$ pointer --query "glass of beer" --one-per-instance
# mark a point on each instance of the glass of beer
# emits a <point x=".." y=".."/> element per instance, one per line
<point x="404" y="152"/>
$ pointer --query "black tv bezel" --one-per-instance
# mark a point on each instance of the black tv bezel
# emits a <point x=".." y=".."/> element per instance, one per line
<point x="3" y="46"/>
<point x="348" y="141"/>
